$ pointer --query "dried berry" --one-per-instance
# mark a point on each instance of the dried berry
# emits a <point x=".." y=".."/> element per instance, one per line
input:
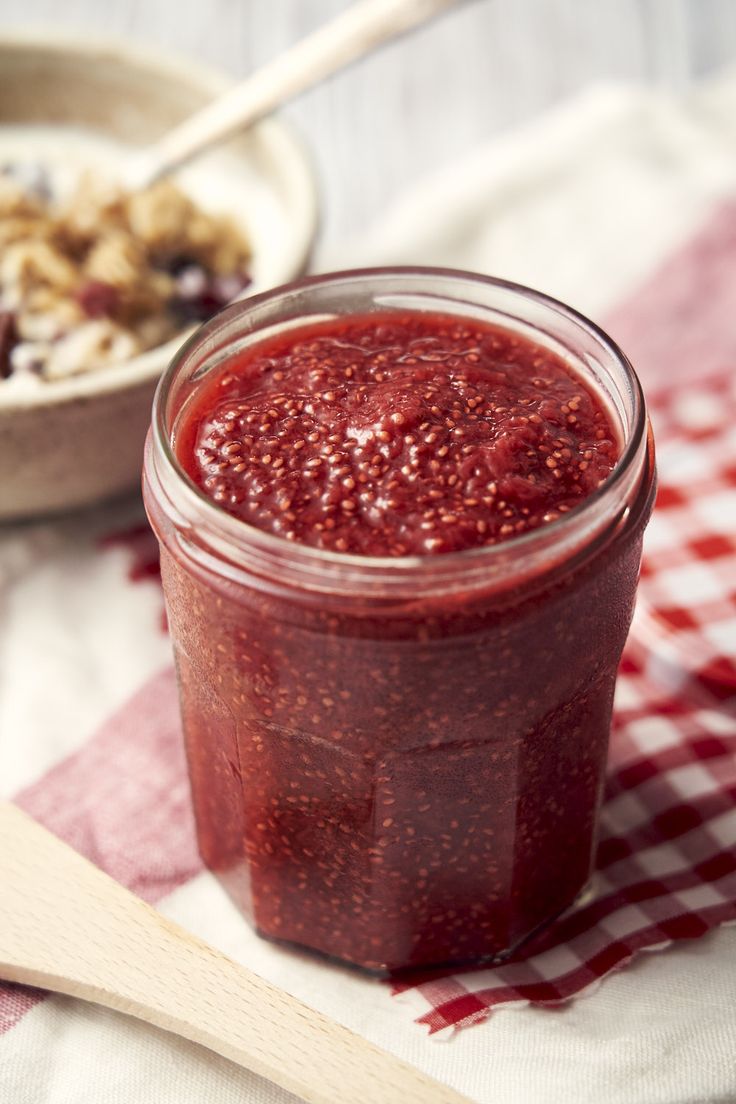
<point x="8" y="341"/>
<point x="200" y="295"/>
<point x="98" y="299"/>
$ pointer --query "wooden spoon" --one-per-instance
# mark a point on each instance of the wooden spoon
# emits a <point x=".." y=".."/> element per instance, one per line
<point x="354" y="33"/>
<point x="66" y="926"/>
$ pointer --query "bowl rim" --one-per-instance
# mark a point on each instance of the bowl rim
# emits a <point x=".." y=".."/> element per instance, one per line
<point x="278" y="135"/>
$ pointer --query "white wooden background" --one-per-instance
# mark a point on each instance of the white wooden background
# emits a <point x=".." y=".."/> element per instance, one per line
<point x="420" y="102"/>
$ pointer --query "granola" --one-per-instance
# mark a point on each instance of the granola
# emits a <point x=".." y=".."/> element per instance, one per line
<point x="96" y="278"/>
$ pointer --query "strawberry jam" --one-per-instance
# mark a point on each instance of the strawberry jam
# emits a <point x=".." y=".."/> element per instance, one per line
<point x="397" y="605"/>
<point x="396" y="435"/>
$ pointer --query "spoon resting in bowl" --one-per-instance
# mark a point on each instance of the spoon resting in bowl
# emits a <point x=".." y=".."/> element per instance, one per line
<point x="351" y="35"/>
<point x="66" y="926"/>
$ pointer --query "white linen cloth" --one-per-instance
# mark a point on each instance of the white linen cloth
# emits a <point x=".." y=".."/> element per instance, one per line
<point x="583" y="203"/>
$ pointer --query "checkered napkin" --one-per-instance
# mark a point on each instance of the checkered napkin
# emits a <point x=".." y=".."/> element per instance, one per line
<point x="687" y="616"/>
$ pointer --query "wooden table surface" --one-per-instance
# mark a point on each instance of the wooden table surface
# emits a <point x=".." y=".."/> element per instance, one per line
<point x="398" y="115"/>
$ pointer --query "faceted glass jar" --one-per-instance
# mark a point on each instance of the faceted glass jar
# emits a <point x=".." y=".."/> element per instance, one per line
<point x="399" y="762"/>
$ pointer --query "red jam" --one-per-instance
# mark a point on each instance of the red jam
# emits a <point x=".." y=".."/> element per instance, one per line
<point x="395" y="435"/>
<point x="413" y="780"/>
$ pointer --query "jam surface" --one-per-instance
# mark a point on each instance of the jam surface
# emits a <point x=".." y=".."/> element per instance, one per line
<point x="397" y="434"/>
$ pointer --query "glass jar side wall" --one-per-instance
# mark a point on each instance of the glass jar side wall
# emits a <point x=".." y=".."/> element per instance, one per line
<point x="400" y="764"/>
<point x="413" y="792"/>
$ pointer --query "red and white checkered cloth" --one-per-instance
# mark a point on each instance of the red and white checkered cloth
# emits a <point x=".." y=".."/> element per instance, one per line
<point x="687" y="602"/>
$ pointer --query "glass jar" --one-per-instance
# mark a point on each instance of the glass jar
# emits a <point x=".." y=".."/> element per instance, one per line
<point x="399" y="762"/>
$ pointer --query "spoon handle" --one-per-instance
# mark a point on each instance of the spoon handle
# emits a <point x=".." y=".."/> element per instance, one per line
<point x="355" y="32"/>
<point x="66" y="926"/>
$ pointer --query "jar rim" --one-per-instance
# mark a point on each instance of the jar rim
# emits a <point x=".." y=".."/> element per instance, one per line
<point x="193" y="507"/>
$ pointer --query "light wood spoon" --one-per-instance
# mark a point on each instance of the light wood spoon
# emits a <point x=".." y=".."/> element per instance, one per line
<point x="66" y="926"/>
<point x="354" y="33"/>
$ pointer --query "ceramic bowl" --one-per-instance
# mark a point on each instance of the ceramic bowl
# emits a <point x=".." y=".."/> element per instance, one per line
<point x="77" y="441"/>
